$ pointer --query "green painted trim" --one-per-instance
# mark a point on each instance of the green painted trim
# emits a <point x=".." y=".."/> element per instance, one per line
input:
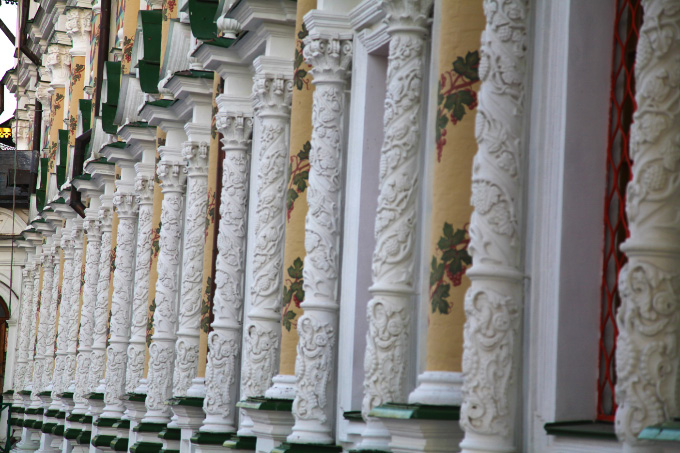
<point x="306" y="448"/>
<point x="26" y="423"/>
<point x="149" y="76"/>
<point x="48" y="427"/>
<point x="72" y="433"/>
<point x="102" y="440"/>
<point x="354" y="416"/>
<point x="122" y="424"/>
<point x="51" y="413"/>
<point x="665" y="432"/>
<point x="119" y="444"/>
<point x="582" y="428"/>
<point x="118" y="144"/>
<point x="108" y="115"/>
<point x="84" y="437"/>
<point x="37" y="424"/>
<point x="68" y="395"/>
<point x="85" y="106"/>
<point x="416" y="412"/>
<point x="113" y="71"/>
<point x="167" y="450"/>
<point x="202" y="18"/>
<point x="74" y="418"/>
<point x="60" y="415"/>
<point x="35" y="411"/>
<point x="161" y="103"/>
<point x="18" y="410"/>
<point x="266" y="404"/>
<point x="26" y="392"/>
<point x="8" y="392"/>
<point x="146" y="447"/>
<point x="106" y="422"/>
<point x="139" y="397"/>
<point x="207" y="438"/>
<point x="94" y="395"/>
<point x="46" y="392"/>
<point x="146" y="427"/>
<point x="170" y="434"/>
<point x="59" y="430"/>
<point x="190" y="401"/>
<point x="152" y="33"/>
<point x="241" y="443"/>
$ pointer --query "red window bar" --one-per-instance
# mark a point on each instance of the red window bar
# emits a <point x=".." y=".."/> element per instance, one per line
<point x="622" y="97"/>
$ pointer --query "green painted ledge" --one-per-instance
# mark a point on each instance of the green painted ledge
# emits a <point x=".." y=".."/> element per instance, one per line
<point x="416" y="412"/>
<point x="66" y="395"/>
<point x="149" y="428"/>
<point x="46" y="392"/>
<point x="72" y="433"/>
<point x="51" y="413"/>
<point x="84" y="437"/>
<point x="170" y="434"/>
<point x="122" y="424"/>
<point x="266" y="404"/>
<point x="146" y="447"/>
<point x="106" y="422"/>
<point x="61" y="415"/>
<point x="666" y="432"/>
<point x="138" y="397"/>
<point x="102" y="440"/>
<point x="58" y="430"/>
<point x="241" y="443"/>
<point x="26" y="392"/>
<point x="190" y="401"/>
<point x="168" y="450"/>
<point x="353" y="416"/>
<point x="582" y="428"/>
<point x="35" y="411"/>
<point x="47" y="428"/>
<point x="306" y="448"/>
<point x="95" y="395"/>
<point x="206" y="438"/>
<point x="119" y="444"/>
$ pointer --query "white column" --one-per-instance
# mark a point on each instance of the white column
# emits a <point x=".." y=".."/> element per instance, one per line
<point x="125" y="203"/>
<point x="493" y="303"/>
<point x="272" y="93"/>
<point x="189" y="319"/>
<point x="45" y="300"/>
<point x="25" y="327"/>
<point x="647" y="354"/>
<point x="68" y="383"/>
<point x="389" y="312"/>
<point x="101" y="306"/>
<point x="33" y="315"/>
<point x="136" y="351"/>
<point x="162" y="349"/>
<point x="221" y="375"/>
<point x="64" y="313"/>
<point x="50" y="309"/>
<point x="86" y="334"/>
<point x="330" y="55"/>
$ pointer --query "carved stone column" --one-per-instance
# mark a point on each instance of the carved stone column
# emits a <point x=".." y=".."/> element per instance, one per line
<point x="72" y="334"/>
<point x="140" y="304"/>
<point x="25" y="327"/>
<point x="647" y="355"/>
<point x="186" y="348"/>
<point x="313" y="407"/>
<point x="86" y="334"/>
<point x="493" y="303"/>
<point x="64" y="314"/>
<point x="221" y="376"/>
<point x="45" y="301"/>
<point x="162" y="349"/>
<point x="125" y="204"/>
<point x="33" y="315"/>
<point x="389" y="312"/>
<point x="50" y="309"/>
<point x="271" y="102"/>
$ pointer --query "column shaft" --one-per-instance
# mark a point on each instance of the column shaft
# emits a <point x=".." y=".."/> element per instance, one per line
<point x="72" y="339"/>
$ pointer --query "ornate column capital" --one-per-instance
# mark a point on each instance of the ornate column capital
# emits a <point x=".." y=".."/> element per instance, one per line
<point x="330" y="58"/>
<point x="272" y="95"/>
<point x="196" y="155"/>
<point x="78" y="27"/>
<point x="93" y="229"/>
<point x="144" y="189"/>
<point x="407" y="15"/>
<point x="125" y="204"/>
<point x="67" y="245"/>
<point x="172" y="176"/>
<point x="236" y="129"/>
<point x="58" y="61"/>
<point x="105" y="219"/>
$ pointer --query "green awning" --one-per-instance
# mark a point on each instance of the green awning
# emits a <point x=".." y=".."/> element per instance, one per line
<point x="113" y="70"/>
<point x="150" y="65"/>
<point x="108" y="115"/>
<point x="44" y="163"/>
<point x="63" y="156"/>
<point x="202" y="18"/>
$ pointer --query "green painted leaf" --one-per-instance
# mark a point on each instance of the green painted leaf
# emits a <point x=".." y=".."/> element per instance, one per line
<point x="439" y="302"/>
<point x="468" y="67"/>
<point x="295" y="271"/>
<point x="287" y="318"/>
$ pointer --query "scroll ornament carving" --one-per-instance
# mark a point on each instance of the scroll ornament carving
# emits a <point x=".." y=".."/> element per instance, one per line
<point x="137" y="346"/>
<point x="161" y="351"/>
<point x="64" y="314"/>
<point x="493" y="305"/>
<point x="223" y="341"/>
<point x="78" y="27"/>
<point x="45" y="301"/>
<point x="101" y="308"/>
<point x="87" y="312"/>
<point x="28" y="379"/>
<point x="313" y="368"/>
<point x="72" y="339"/>
<point x="58" y="60"/>
<point x="186" y="358"/>
<point x="51" y="331"/>
<point x="386" y="360"/>
<point x="647" y="355"/>
<point x="26" y="321"/>
<point x="262" y="353"/>
<point x="116" y="353"/>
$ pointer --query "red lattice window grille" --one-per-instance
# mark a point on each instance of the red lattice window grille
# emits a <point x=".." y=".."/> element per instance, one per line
<point x="622" y="98"/>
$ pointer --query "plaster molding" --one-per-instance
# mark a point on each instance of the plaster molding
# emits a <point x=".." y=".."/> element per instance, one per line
<point x="72" y="339"/>
<point x="58" y="61"/>
<point x="78" y="27"/>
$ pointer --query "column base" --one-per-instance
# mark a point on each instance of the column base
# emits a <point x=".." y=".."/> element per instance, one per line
<point x="438" y="388"/>
<point x="147" y="440"/>
<point x="207" y="442"/>
<point x="374" y="437"/>
<point x="480" y="443"/>
<point x="418" y="428"/>
<point x="188" y="416"/>
<point x="171" y="438"/>
<point x="135" y="409"/>
<point x="30" y="440"/>
<point x="272" y="420"/>
<point x="238" y="444"/>
<point x="104" y="432"/>
<point x="283" y="388"/>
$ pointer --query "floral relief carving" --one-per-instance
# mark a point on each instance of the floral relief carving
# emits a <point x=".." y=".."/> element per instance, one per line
<point x="41" y="342"/>
<point x="72" y="338"/>
<point x="64" y="318"/>
<point x="26" y="322"/>
<point x="35" y="303"/>
<point x="137" y="349"/>
<point x="492" y="304"/>
<point x="389" y="311"/>
<point x="51" y="330"/>
<point x="648" y="318"/>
